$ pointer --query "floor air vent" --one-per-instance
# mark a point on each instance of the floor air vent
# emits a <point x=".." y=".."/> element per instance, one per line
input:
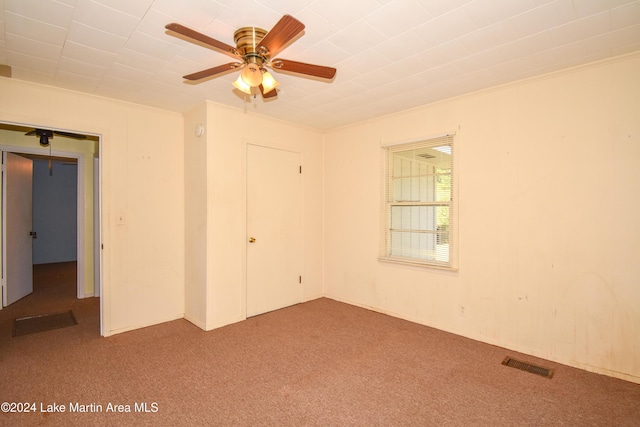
<point x="42" y="323"/>
<point x="528" y="367"/>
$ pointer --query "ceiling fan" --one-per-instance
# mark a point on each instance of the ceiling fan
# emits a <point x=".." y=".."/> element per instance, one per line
<point x="45" y="134"/>
<point x="253" y="52"/>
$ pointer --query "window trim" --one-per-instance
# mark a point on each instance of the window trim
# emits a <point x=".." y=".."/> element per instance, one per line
<point x="386" y="205"/>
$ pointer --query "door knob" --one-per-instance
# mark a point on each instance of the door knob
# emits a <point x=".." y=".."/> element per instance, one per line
<point x="252" y="239"/>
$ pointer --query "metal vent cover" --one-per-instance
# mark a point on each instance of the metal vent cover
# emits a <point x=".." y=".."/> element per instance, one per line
<point x="528" y="367"/>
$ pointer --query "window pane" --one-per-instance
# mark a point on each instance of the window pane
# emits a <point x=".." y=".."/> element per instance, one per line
<point x="442" y="217"/>
<point x="397" y="166"/>
<point x="421" y="175"/>
<point x="443" y="185"/>
<point x="423" y="246"/>
<point x="419" y="218"/>
<point x="396" y="217"/>
<point x="406" y="167"/>
<point x="407" y="217"/>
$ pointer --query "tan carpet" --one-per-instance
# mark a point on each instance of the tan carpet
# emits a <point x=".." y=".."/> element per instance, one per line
<point x="320" y="363"/>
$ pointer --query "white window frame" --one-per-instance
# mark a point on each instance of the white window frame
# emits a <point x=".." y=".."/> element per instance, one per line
<point x="410" y="254"/>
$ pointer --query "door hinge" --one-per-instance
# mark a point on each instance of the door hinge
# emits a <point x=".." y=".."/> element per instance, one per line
<point x="300" y="168"/>
<point x="299" y="279"/>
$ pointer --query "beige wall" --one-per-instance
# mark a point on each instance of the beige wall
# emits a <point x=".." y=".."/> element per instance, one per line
<point x="549" y="236"/>
<point x="142" y="182"/>
<point x="195" y="188"/>
<point x="219" y="278"/>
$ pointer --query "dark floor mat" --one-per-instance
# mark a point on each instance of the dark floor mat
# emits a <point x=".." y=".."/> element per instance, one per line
<point x="45" y="322"/>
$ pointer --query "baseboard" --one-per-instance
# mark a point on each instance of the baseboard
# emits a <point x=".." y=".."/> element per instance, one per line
<point x="142" y="325"/>
<point x="196" y="322"/>
<point x="212" y="326"/>
<point x="86" y="295"/>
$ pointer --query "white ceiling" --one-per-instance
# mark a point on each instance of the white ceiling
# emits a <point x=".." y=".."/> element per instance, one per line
<point x="390" y="54"/>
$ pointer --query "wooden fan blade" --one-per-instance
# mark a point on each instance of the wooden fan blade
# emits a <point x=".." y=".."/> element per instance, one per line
<point x="285" y="30"/>
<point x="50" y="133"/>
<point x="302" y="68"/>
<point x="192" y="34"/>
<point x="269" y="94"/>
<point x="70" y="135"/>
<point x="212" y="71"/>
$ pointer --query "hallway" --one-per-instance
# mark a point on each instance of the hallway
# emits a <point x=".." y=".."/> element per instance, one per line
<point x="54" y="291"/>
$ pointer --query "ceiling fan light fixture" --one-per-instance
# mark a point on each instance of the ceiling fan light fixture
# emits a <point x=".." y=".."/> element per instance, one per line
<point x="268" y="82"/>
<point x="242" y="86"/>
<point x="252" y="75"/>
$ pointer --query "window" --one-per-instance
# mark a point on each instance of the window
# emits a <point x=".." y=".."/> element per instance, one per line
<point x="417" y="217"/>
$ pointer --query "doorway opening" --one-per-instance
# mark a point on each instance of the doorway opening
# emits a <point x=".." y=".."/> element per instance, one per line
<point x="65" y="207"/>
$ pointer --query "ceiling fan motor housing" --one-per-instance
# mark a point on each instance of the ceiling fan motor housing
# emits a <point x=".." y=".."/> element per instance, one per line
<point x="44" y="135"/>
<point x="247" y="39"/>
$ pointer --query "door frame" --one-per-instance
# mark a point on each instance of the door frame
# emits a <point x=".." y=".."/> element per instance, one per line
<point x="80" y="234"/>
